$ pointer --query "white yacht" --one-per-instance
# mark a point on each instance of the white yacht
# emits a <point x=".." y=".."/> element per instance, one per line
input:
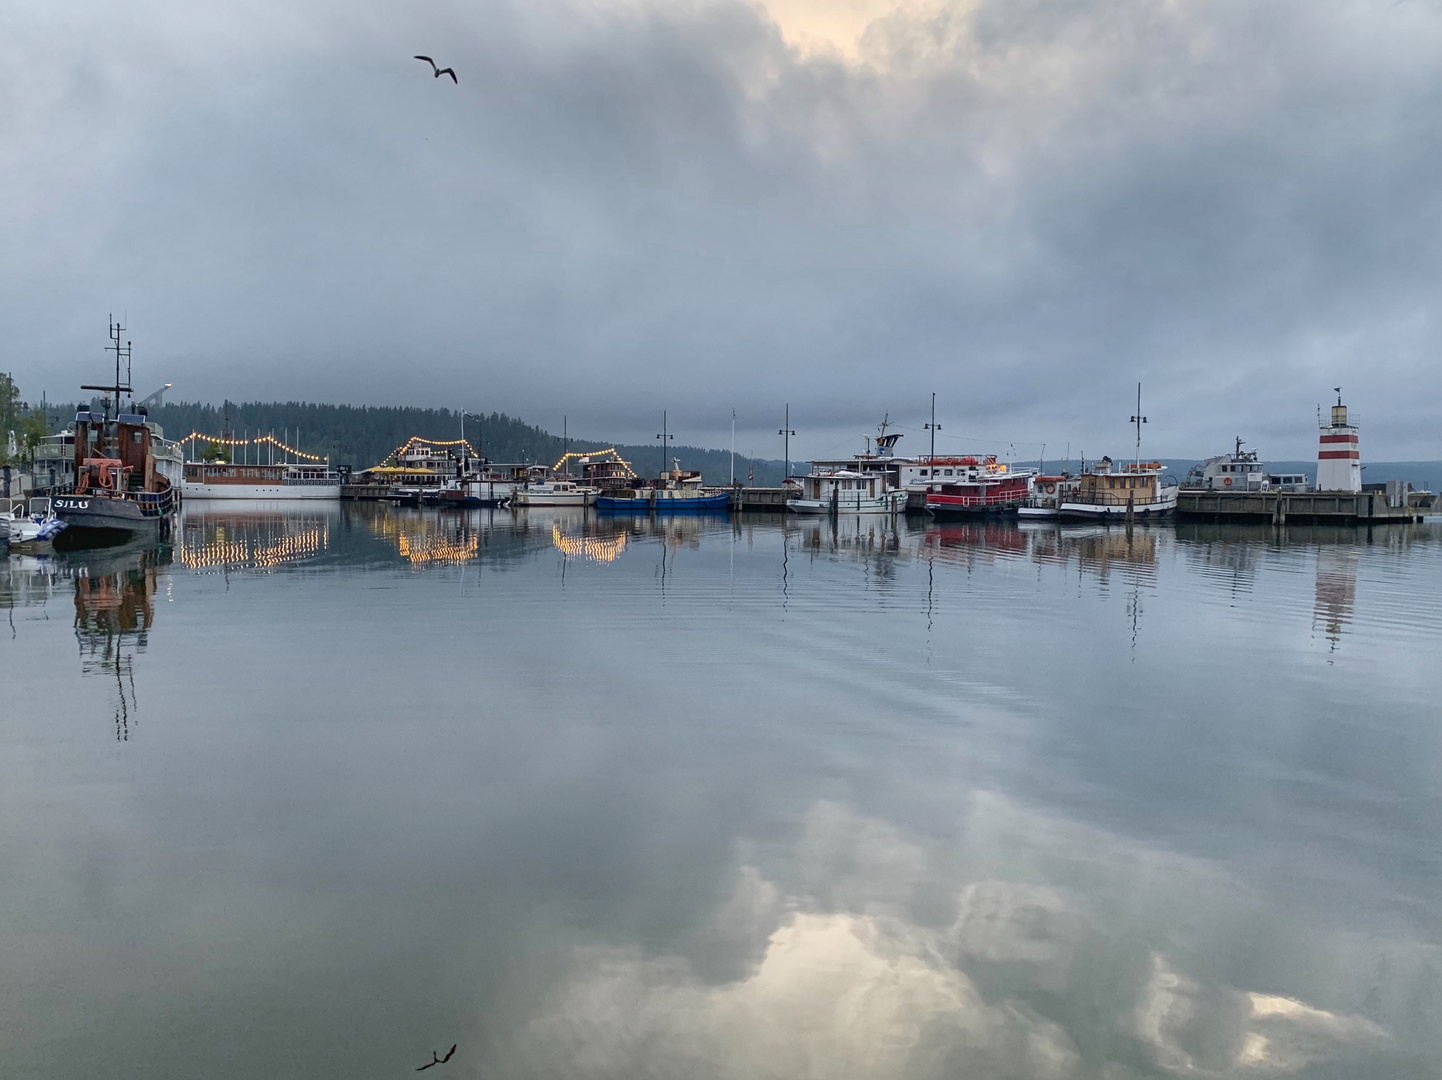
<point x="847" y="491"/>
<point x="554" y="493"/>
<point x="1242" y="470"/>
<point x="230" y="480"/>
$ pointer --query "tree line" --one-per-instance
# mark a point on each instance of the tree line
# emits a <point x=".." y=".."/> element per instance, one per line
<point x="360" y="436"/>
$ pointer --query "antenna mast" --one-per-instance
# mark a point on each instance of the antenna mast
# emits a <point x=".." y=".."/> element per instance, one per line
<point x="933" y="427"/>
<point x="1138" y="419"/>
<point x="122" y="352"/>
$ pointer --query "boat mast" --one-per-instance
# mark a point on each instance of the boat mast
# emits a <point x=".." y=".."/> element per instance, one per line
<point x="933" y="427"/>
<point x="665" y="438"/>
<point x="787" y="433"/>
<point x="1138" y="419"/>
<point x="122" y="352"/>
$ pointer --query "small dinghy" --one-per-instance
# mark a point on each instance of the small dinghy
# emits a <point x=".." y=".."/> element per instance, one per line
<point x="32" y="529"/>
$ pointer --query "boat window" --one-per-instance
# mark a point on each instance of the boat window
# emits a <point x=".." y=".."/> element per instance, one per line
<point x="948" y="472"/>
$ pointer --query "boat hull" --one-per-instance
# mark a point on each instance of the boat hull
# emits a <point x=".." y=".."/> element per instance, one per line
<point x="1163" y="505"/>
<point x="665" y="505"/>
<point x="268" y="492"/>
<point x="525" y="498"/>
<point x="893" y="502"/>
<point x="959" y="511"/>
<point x="102" y="520"/>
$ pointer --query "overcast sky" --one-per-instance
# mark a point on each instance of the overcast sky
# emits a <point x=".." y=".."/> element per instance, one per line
<point x="1026" y="206"/>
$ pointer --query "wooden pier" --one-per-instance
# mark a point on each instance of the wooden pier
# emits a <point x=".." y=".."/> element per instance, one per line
<point x="762" y="499"/>
<point x="1296" y="507"/>
<point x="367" y="492"/>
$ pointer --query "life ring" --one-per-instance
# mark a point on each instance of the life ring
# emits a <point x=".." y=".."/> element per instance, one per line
<point x="1051" y="489"/>
<point x="1227" y="481"/>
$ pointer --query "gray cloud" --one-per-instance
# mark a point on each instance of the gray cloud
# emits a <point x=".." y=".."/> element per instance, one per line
<point x="1026" y="207"/>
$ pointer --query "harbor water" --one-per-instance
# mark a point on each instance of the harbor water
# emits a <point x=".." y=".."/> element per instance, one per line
<point x="322" y="791"/>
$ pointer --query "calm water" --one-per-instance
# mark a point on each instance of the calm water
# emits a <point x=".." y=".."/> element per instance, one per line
<point x="317" y="793"/>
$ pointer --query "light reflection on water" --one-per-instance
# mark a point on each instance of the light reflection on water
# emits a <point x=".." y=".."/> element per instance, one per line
<point x="616" y="797"/>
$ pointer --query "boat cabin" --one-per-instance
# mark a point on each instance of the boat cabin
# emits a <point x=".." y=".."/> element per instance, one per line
<point x="1105" y="485"/>
<point x="1242" y="470"/>
<point x="821" y="484"/>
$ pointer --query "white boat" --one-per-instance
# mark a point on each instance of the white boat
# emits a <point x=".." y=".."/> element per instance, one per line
<point x="1104" y="492"/>
<point x="1047" y="495"/>
<point x="32" y="528"/>
<point x="554" y="493"/>
<point x="847" y="491"/>
<point x="230" y="480"/>
<point x="1242" y="470"/>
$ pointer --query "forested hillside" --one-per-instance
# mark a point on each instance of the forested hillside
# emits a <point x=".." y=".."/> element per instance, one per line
<point x="361" y="436"/>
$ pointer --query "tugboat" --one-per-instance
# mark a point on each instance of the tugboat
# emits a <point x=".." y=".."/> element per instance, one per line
<point x="119" y="493"/>
<point x="1133" y="490"/>
<point x="978" y="487"/>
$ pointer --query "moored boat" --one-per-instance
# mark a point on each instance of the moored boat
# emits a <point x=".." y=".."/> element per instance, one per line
<point x="673" y="492"/>
<point x="120" y="492"/>
<point x="847" y="491"/>
<point x="1047" y="495"/>
<point x="31" y="529"/>
<point x="230" y="480"/>
<point x="1105" y="492"/>
<point x="1241" y="470"/>
<point x="977" y="486"/>
<point x="553" y="493"/>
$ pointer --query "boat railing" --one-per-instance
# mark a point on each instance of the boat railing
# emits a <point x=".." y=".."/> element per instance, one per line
<point x="332" y="479"/>
<point x="1112" y="498"/>
<point x="1000" y="498"/>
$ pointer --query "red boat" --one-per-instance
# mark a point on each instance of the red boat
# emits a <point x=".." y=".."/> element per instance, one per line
<point x="978" y="485"/>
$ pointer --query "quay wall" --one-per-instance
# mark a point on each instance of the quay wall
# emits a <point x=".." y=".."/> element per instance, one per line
<point x="1300" y="507"/>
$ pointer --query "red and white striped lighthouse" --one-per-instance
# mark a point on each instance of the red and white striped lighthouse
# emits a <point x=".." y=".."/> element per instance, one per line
<point x="1339" y="461"/>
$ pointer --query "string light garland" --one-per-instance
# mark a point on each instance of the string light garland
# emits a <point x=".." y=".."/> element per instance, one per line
<point x="575" y="454"/>
<point x="259" y="441"/>
<point x="416" y="440"/>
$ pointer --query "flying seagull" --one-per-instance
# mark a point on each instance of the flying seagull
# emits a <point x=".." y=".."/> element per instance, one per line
<point x="439" y="72"/>
<point x="436" y="1060"/>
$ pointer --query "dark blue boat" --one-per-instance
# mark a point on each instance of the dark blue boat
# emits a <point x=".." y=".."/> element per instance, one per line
<point x="663" y="501"/>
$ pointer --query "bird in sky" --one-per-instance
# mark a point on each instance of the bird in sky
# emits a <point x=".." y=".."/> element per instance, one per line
<point x="440" y="70"/>
<point x="436" y="1059"/>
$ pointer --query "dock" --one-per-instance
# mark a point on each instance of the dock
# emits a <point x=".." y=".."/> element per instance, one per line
<point x="763" y="499"/>
<point x="367" y="492"/>
<point x="1297" y="507"/>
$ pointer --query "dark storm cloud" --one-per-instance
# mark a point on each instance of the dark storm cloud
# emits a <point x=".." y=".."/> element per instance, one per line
<point x="1024" y="206"/>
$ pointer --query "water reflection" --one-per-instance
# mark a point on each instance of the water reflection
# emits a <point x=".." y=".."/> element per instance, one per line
<point x="837" y="975"/>
<point x="1336" y="592"/>
<point x="598" y="549"/>
<point x="226" y="536"/>
<point x="114" y="611"/>
<point x="428" y="539"/>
